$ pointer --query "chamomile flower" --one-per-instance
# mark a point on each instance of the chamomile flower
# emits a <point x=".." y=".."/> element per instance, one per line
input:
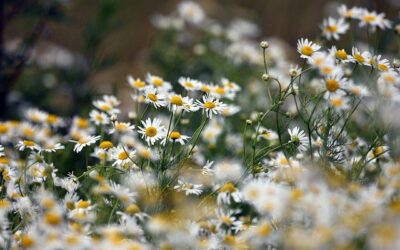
<point x="191" y="12"/>
<point x="122" y="157"/>
<point x="335" y="83"/>
<point x="306" y="48"/>
<point x="333" y="28"/>
<point x="361" y="57"/>
<point x="176" y="136"/>
<point x="136" y="83"/>
<point x="340" y="54"/>
<point x="382" y="64"/>
<point x="299" y="139"/>
<point x="152" y="130"/>
<point x="189" y="84"/>
<point x="52" y="145"/>
<point x="353" y="12"/>
<point x="339" y="101"/>
<point x="105" y="107"/>
<point x="389" y="78"/>
<point x="99" y="118"/>
<point x="158" y="82"/>
<point x="357" y="89"/>
<point x="36" y="115"/>
<point x="231" y="86"/>
<point x="230" y="110"/>
<point x="153" y="96"/>
<point x="85" y="140"/>
<point x="22" y="145"/>
<point x="211" y="105"/>
<point x="122" y="128"/>
<point x="188" y="188"/>
<point x="373" y="20"/>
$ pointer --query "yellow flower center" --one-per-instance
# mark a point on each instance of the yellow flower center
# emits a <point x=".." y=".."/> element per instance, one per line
<point x="106" y="145"/>
<point x="29" y="143"/>
<point x="105" y="107"/>
<point x="52" y="218"/>
<point x="3" y="128"/>
<point x="228" y="187"/>
<point x="383" y="67"/>
<point x="369" y="18"/>
<point x="327" y="70"/>
<point x="82" y="140"/>
<point x="341" y="54"/>
<point x="220" y="90"/>
<point x="152" y="97"/>
<point x="359" y="58"/>
<point x="377" y="151"/>
<point x="337" y="102"/>
<point x="123" y="156"/>
<point x="158" y="82"/>
<point x="83" y="204"/>
<point x="390" y="79"/>
<point x="27" y="241"/>
<point x="121" y="126"/>
<point x="52" y="119"/>
<point x="332" y="85"/>
<point x="188" y="84"/>
<point x="177" y="100"/>
<point x="307" y="50"/>
<point x="132" y="209"/>
<point x="151" y="131"/>
<point x="209" y="105"/>
<point x="331" y="28"/>
<point x="264" y="230"/>
<point x="139" y="84"/>
<point x="4" y="160"/>
<point x="175" y="135"/>
<point x="83" y="123"/>
<point x="205" y="88"/>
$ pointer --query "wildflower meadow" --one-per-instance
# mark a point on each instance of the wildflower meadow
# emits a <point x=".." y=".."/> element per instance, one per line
<point x="230" y="141"/>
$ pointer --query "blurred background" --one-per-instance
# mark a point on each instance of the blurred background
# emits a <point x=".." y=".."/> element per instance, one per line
<point x="57" y="54"/>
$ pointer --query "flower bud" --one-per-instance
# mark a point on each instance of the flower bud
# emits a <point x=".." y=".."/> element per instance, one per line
<point x="396" y="63"/>
<point x="264" y="44"/>
<point x="249" y="122"/>
<point x="265" y="77"/>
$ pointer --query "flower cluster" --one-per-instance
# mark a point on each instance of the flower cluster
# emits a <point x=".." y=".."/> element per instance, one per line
<point x="299" y="159"/>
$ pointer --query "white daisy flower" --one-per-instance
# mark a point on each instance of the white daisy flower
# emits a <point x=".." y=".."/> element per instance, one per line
<point x="189" y="84"/>
<point x="152" y="131"/>
<point x="188" y="188"/>
<point x="191" y="12"/>
<point x="136" y="83"/>
<point x="339" y="54"/>
<point x="158" y="82"/>
<point x="373" y="20"/>
<point x="99" y="118"/>
<point x="122" y="127"/>
<point x="153" y="96"/>
<point x="22" y="145"/>
<point x="353" y="12"/>
<point x="105" y="107"/>
<point x="232" y="86"/>
<point x="176" y="136"/>
<point x="52" y="146"/>
<point x="332" y="28"/>
<point x="382" y="64"/>
<point x="339" y="101"/>
<point x="306" y="48"/>
<point x="298" y="138"/>
<point x="122" y="157"/>
<point x="357" y="89"/>
<point x="363" y="58"/>
<point x="335" y="83"/>
<point x="207" y="168"/>
<point x="211" y="105"/>
<point x="84" y="141"/>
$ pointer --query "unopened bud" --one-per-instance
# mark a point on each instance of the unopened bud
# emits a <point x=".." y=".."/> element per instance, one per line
<point x="397" y="29"/>
<point x="293" y="72"/>
<point x="264" y="44"/>
<point x="249" y="122"/>
<point x="265" y="77"/>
